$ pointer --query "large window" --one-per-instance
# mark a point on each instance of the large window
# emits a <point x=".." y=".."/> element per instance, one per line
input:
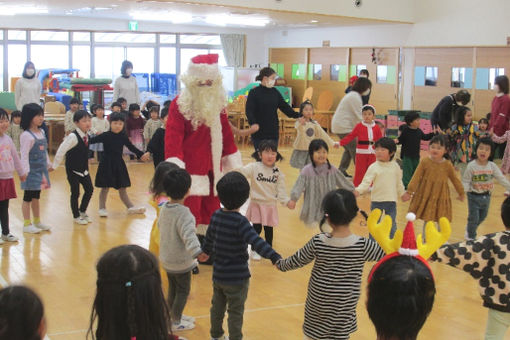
<point x="1" y="68"/>
<point x="50" y="56"/>
<point x="17" y="57"/>
<point x="167" y="60"/>
<point x="49" y="36"/>
<point x="108" y="61"/>
<point x="81" y="60"/>
<point x="142" y="59"/>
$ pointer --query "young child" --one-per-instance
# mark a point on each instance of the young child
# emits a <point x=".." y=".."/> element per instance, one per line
<point x="112" y="171"/>
<point x="227" y="240"/>
<point x="483" y="128"/>
<point x="74" y="105"/>
<point x="99" y="125"/>
<point x="463" y="136"/>
<point x="179" y="246"/>
<point x="307" y="130"/>
<point x="335" y="282"/>
<point x="486" y="260"/>
<point x="14" y="130"/>
<point x="152" y="125"/>
<point x="478" y="181"/>
<point x="267" y="188"/>
<point x="134" y="126"/>
<point x="35" y="162"/>
<point x="9" y="161"/>
<point x="316" y="180"/>
<point x="410" y="138"/>
<point x="75" y="148"/>
<point x="21" y="314"/>
<point x="115" y="107"/>
<point x="505" y="163"/>
<point x="367" y="133"/>
<point x="156" y="146"/>
<point x="385" y="178"/>
<point x="123" y="104"/>
<point x="430" y="194"/>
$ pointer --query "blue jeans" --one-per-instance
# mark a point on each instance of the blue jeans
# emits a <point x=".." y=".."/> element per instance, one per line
<point x="478" y="207"/>
<point x="389" y="208"/>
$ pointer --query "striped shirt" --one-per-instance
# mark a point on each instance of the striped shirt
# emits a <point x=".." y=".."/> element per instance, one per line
<point x="227" y="240"/>
<point x="334" y="287"/>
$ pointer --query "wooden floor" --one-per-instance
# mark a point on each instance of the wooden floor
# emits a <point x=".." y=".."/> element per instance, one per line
<point x="60" y="266"/>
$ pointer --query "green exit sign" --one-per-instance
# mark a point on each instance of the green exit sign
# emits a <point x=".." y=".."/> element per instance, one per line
<point x="133" y="25"/>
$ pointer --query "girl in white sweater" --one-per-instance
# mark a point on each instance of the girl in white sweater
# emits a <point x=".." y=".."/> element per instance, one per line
<point x="28" y="87"/>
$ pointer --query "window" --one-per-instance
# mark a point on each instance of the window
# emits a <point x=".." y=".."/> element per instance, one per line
<point x="298" y="71"/>
<point x="359" y="68"/>
<point x="201" y="39"/>
<point x="167" y="60"/>
<point x="338" y="72"/>
<point x="493" y="73"/>
<point x="50" y="56"/>
<point x="1" y="68"/>
<point x="386" y="74"/>
<point x="17" y="35"/>
<point x="167" y="38"/>
<point x="1" y="34"/>
<point x="279" y="69"/>
<point x="485" y="77"/>
<point x="108" y="61"/>
<point x="49" y="36"/>
<point x="81" y="36"/>
<point x="462" y="77"/>
<point x="142" y="59"/>
<point x="125" y="37"/>
<point x="430" y="76"/>
<point x="314" y="72"/>
<point x="17" y="57"/>
<point x="354" y="70"/>
<point x="81" y="60"/>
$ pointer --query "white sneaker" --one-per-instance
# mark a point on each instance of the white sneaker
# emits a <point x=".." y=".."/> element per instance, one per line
<point x="1" y="241"/>
<point x="85" y="217"/>
<point x="182" y="326"/>
<point x="136" y="210"/>
<point x="188" y="318"/>
<point x="9" y="238"/>
<point x="222" y="338"/>
<point x="466" y="236"/>
<point x="42" y="226"/>
<point x="255" y="256"/>
<point x="80" y="220"/>
<point x="31" y="229"/>
<point x="103" y="213"/>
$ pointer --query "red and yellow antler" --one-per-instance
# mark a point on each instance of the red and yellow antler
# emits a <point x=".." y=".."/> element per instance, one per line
<point x="434" y="238"/>
<point x="381" y="232"/>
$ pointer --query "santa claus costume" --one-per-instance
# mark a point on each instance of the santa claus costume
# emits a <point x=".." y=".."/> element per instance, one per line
<point x="198" y="136"/>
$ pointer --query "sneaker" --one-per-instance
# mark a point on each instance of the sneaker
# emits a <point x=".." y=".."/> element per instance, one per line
<point x="136" y="210"/>
<point x="85" y="217"/>
<point x="182" y="326"/>
<point x="506" y="193"/>
<point x="255" y="256"/>
<point x="31" y="229"/>
<point x="80" y="220"/>
<point x="103" y="213"/>
<point x="1" y="241"/>
<point x="188" y="318"/>
<point x="42" y="226"/>
<point x="195" y="270"/>
<point x="9" y="238"/>
<point x="221" y="338"/>
<point x="466" y="236"/>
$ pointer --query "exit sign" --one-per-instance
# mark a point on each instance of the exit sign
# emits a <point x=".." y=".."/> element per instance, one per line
<point x="133" y="25"/>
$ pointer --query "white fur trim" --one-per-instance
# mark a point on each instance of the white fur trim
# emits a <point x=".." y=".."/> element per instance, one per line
<point x="203" y="71"/>
<point x="411" y="217"/>
<point x="408" y="252"/>
<point x="216" y="148"/>
<point x="199" y="185"/>
<point x="231" y="162"/>
<point x="177" y="162"/>
<point x="365" y="151"/>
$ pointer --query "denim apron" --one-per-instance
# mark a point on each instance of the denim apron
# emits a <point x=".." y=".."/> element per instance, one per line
<point x="37" y="178"/>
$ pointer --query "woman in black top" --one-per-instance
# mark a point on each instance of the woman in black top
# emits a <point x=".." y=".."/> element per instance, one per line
<point x="262" y="105"/>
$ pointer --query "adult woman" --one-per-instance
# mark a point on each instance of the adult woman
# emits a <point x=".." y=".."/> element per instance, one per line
<point x="442" y="115"/>
<point x="28" y="87"/>
<point x="262" y="105"/>
<point x="500" y="111"/>
<point x="347" y="115"/>
<point x="126" y="86"/>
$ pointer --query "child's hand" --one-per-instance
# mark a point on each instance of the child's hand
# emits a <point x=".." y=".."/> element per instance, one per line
<point x="276" y="265"/>
<point x="396" y="140"/>
<point x="336" y="145"/>
<point x="356" y="193"/>
<point x="23" y="178"/>
<point x="202" y="257"/>
<point x="406" y="197"/>
<point x="461" y="198"/>
<point x="302" y="120"/>
<point x="146" y="156"/>
<point x="50" y="169"/>
<point x="255" y="128"/>
<point x="291" y="205"/>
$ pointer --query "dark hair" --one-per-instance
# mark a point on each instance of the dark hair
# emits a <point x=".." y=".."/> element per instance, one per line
<point x="267" y="145"/>
<point x="129" y="300"/>
<point x="483" y="121"/>
<point x="502" y="82"/>
<point x="78" y="115"/>
<point x="505" y="212"/>
<point x="154" y="108"/>
<point x="265" y="72"/>
<point x="233" y="190"/>
<point x="411" y="117"/>
<point x="486" y="141"/>
<point x="400" y="297"/>
<point x="21" y="313"/>
<point x="460" y="115"/>
<point x="157" y="186"/>
<point x="368" y="107"/>
<point x="125" y="65"/>
<point x="134" y="107"/>
<point x="15" y="114"/>
<point x="361" y="85"/>
<point x="177" y="183"/>
<point x="167" y="103"/>
<point x="438" y="139"/>
<point x="96" y="107"/>
<point x="28" y="112"/>
<point x="339" y="206"/>
<point x="164" y="112"/>
<point x="316" y="145"/>
<point x="116" y="116"/>
<point x="3" y="114"/>
<point x="303" y="105"/>
<point x="115" y="104"/>
<point x="121" y="100"/>
<point x="387" y="143"/>
<point x="463" y="96"/>
<point x="488" y="116"/>
<point x="364" y="71"/>
<point x="74" y="101"/>
<point x="27" y="65"/>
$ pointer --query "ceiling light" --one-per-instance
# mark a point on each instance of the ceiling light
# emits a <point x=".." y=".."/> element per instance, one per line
<point x="226" y="19"/>
<point x="314" y="21"/>
<point x="174" y="17"/>
<point x="17" y="10"/>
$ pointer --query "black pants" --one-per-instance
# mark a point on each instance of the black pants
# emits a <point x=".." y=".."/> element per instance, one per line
<point x="500" y="149"/>
<point x="268" y="232"/>
<point x="74" y="182"/>
<point x="4" y="216"/>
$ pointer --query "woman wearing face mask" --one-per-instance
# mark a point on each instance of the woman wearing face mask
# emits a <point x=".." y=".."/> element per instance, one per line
<point x="28" y="87"/>
<point x="347" y="115"/>
<point x="442" y="116"/>
<point x="500" y="111"/>
<point x="262" y="105"/>
<point x="126" y="86"/>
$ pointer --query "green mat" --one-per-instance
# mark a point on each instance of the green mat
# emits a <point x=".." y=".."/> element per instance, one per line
<point x="90" y="81"/>
<point x="7" y="100"/>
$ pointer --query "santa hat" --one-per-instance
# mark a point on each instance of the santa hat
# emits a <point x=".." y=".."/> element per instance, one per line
<point x="204" y="67"/>
<point x="353" y="79"/>
<point x="408" y="246"/>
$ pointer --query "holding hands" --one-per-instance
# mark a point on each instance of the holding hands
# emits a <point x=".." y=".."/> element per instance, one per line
<point x="291" y="205"/>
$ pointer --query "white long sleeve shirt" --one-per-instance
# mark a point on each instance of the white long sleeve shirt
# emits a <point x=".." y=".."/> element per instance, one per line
<point x="70" y="141"/>
<point x="386" y="181"/>
<point x="347" y="114"/>
<point x="27" y="91"/>
<point x="99" y="125"/>
<point x="267" y="183"/>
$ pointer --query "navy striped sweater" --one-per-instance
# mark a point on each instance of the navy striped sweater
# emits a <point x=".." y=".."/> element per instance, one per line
<point x="227" y="238"/>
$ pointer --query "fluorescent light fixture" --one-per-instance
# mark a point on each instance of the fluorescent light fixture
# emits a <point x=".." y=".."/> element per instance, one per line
<point x="314" y="21"/>
<point x="174" y="17"/>
<point x="18" y="10"/>
<point x="241" y="20"/>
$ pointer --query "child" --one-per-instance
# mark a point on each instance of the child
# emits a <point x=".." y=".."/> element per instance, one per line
<point x="410" y="137"/>
<point x="14" y="130"/>
<point x="367" y="133"/>
<point x="483" y="128"/>
<point x="385" y="178"/>
<point x="227" y="239"/>
<point x="463" y="136"/>
<point x="478" y="181"/>
<point x="99" y="125"/>
<point x="21" y="314"/>
<point x="9" y="161"/>
<point x="134" y="126"/>
<point x="75" y="148"/>
<point x="74" y="106"/>
<point x="179" y="246"/>
<point x="115" y="107"/>
<point x="123" y="104"/>
<point x="486" y="260"/>
<point x="307" y="130"/>
<point x="35" y="161"/>
<point x="152" y="124"/>
<point x="267" y="188"/>
<point x="505" y="163"/>
<point x="334" y="286"/>
<point x="430" y="195"/>
<point x="156" y="146"/>
<point x="316" y="180"/>
<point x="112" y="171"/>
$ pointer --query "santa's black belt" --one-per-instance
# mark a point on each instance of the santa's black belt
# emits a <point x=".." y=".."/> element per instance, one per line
<point x="365" y="142"/>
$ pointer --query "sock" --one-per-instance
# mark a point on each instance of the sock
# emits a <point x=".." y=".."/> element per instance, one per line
<point x="37" y="220"/>
<point x="26" y="223"/>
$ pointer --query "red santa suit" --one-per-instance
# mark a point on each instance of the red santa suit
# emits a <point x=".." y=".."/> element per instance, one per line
<point x="367" y="135"/>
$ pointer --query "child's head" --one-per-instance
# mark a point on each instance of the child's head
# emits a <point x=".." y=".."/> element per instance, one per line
<point x="98" y="110"/>
<point x="501" y="84"/>
<point x="412" y="119"/>
<point x="154" y="112"/>
<point x="129" y="300"/>
<point x="117" y="121"/>
<point x="233" y="190"/>
<point x="81" y="119"/>
<point x="368" y="113"/>
<point x="157" y="187"/>
<point x="134" y="110"/>
<point x="339" y="207"/>
<point x="16" y="117"/>
<point x="385" y="149"/>
<point x="505" y="212"/>
<point x="306" y="109"/>
<point x="31" y="114"/>
<point x="484" y="149"/>
<point x="21" y="314"/>
<point x="318" y="152"/>
<point x="364" y="73"/>
<point x="123" y="103"/>
<point x="164" y="116"/>
<point x="463" y="115"/>
<point x="483" y="124"/>
<point x="437" y="147"/>
<point x="400" y="296"/>
<point x="116" y="107"/>
<point x="177" y="183"/>
<point x="267" y="152"/>
<point x="74" y="104"/>
<point x="4" y="121"/>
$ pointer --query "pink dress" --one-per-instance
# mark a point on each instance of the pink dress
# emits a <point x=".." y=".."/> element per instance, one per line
<point x="505" y="165"/>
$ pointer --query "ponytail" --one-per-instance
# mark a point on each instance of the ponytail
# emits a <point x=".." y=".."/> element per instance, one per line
<point x="340" y="207"/>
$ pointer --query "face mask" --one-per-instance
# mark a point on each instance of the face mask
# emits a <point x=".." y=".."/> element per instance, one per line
<point x="366" y="93"/>
<point x="270" y="83"/>
<point x="460" y="104"/>
<point x="129" y="71"/>
<point x="30" y="72"/>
